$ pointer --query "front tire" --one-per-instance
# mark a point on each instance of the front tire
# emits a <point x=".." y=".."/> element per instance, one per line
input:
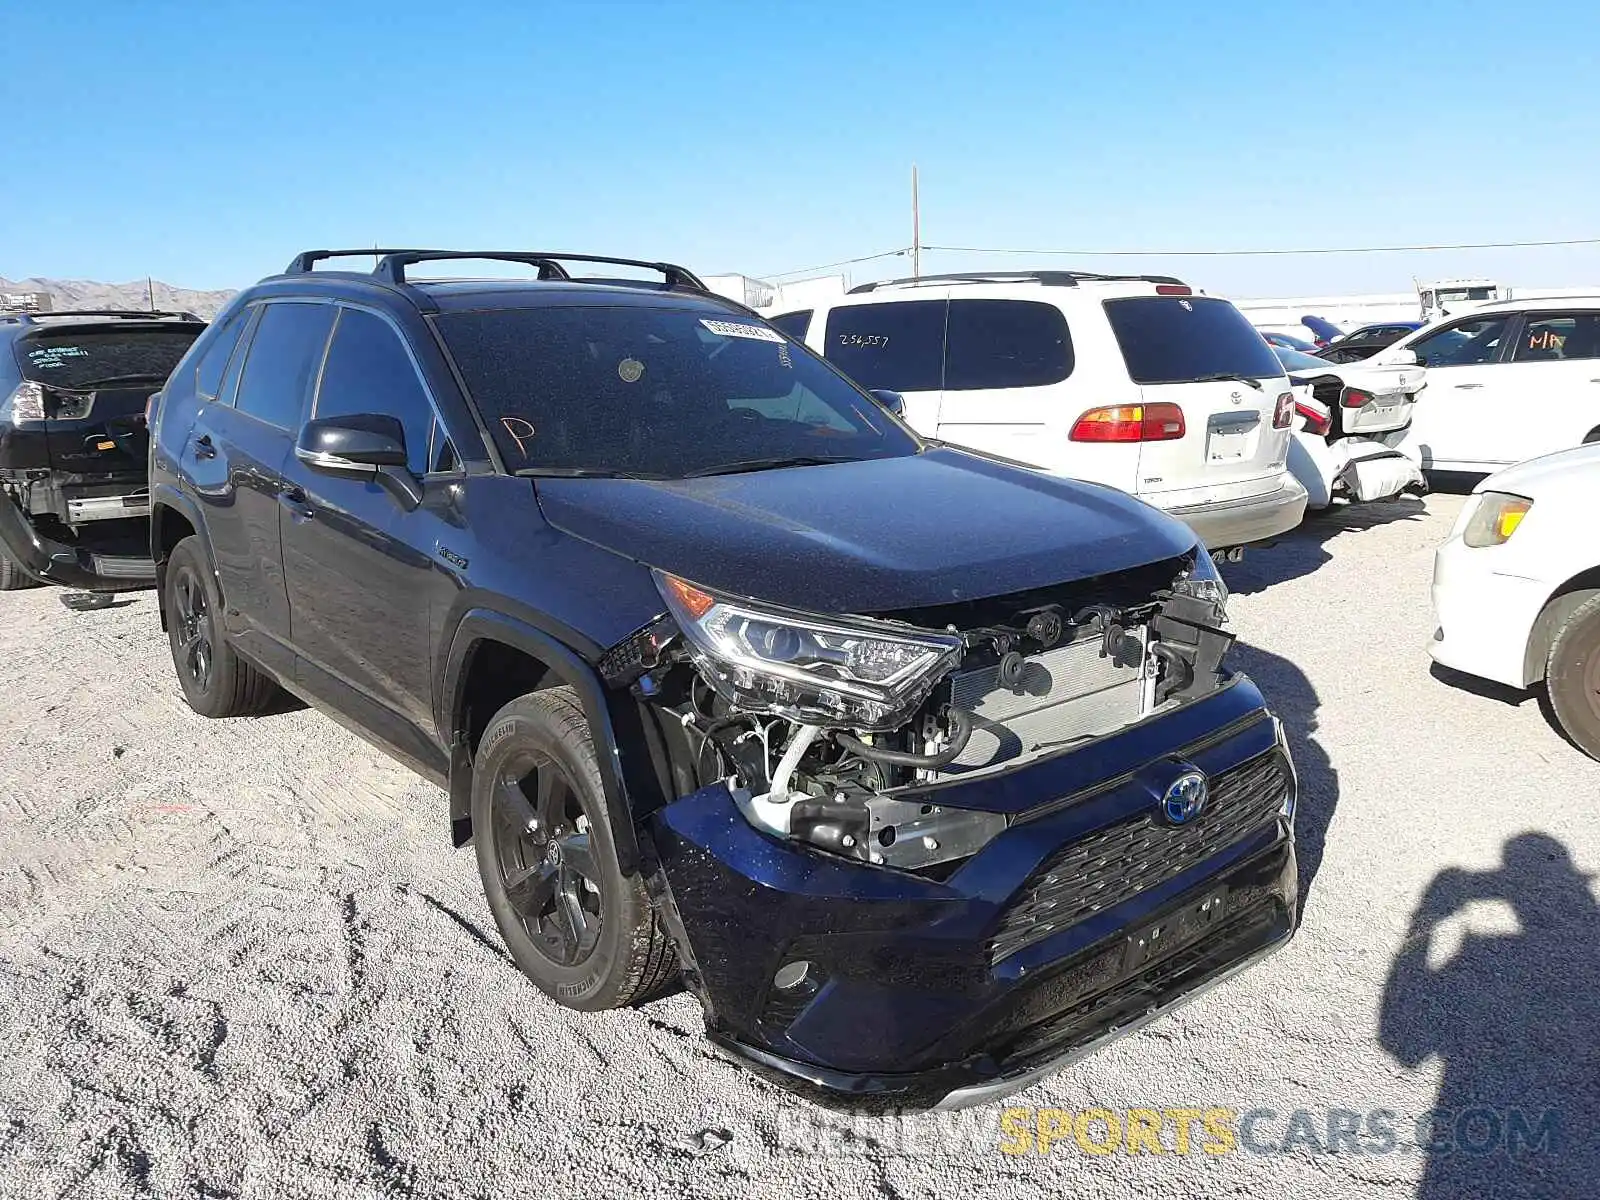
<point x="216" y="681"/>
<point x="1572" y="674"/>
<point x="584" y="932"/>
<point x="12" y="577"/>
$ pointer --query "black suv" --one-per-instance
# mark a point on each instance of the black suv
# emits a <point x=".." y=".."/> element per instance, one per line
<point x="920" y="769"/>
<point x="74" y="387"/>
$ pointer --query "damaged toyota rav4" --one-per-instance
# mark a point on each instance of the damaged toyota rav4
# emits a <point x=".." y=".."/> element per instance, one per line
<point x="921" y="770"/>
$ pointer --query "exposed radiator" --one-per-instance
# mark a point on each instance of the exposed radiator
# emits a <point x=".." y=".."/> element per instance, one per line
<point x="1066" y="694"/>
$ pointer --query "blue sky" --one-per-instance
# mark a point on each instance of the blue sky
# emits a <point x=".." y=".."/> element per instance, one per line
<point x="205" y="143"/>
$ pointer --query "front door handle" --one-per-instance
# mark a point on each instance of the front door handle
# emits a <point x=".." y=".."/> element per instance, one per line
<point x="1469" y="385"/>
<point x="203" y="447"/>
<point x="293" y="499"/>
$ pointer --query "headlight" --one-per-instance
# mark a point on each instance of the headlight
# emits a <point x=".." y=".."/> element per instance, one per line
<point x="1203" y="581"/>
<point x="1495" y="519"/>
<point x="855" y="674"/>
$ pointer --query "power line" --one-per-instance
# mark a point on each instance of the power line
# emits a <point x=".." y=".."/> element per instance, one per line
<point x="843" y="262"/>
<point x="1282" y="252"/>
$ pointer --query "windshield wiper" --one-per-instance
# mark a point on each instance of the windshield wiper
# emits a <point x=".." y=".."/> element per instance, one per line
<point x="581" y="473"/>
<point x="770" y="464"/>
<point x="134" y="378"/>
<point x="1227" y="377"/>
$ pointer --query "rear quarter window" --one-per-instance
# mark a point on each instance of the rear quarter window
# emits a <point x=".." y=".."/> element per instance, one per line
<point x="899" y="346"/>
<point x="1172" y="339"/>
<point x="1005" y="344"/>
<point x="795" y="324"/>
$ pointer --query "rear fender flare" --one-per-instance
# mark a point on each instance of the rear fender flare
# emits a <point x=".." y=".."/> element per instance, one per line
<point x="632" y="784"/>
<point x="163" y="497"/>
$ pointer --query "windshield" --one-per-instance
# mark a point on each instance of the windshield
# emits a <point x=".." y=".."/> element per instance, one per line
<point x="658" y="392"/>
<point x="1168" y="339"/>
<point x="78" y="359"/>
<point x="1293" y="360"/>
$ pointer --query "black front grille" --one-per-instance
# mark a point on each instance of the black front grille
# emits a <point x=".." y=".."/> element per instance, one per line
<point x="1116" y="863"/>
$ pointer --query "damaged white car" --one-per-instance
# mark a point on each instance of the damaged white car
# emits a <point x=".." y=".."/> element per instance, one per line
<point x="1350" y="428"/>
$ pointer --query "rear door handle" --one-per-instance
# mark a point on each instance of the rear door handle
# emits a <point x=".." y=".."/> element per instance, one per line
<point x="1469" y="385"/>
<point x="293" y="499"/>
<point x="203" y="447"/>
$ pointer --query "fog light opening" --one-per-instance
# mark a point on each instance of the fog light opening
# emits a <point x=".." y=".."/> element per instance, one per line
<point x="793" y="976"/>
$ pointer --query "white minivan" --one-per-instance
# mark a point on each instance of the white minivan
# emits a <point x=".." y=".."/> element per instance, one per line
<point x="1136" y="382"/>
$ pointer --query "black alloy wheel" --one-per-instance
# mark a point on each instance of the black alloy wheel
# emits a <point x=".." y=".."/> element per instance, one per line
<point x="192" y="646"/>
<point x="216" y="682"/>
<point x="546" y="862"/>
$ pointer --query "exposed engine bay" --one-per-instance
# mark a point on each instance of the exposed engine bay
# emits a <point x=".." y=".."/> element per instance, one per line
<point x="821" y="727"/>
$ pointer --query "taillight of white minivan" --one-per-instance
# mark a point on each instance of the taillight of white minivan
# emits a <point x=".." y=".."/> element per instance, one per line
<point x="1130" y="423"/>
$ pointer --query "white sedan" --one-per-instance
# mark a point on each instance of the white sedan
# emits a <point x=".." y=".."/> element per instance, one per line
<point x="1516" y="588"/>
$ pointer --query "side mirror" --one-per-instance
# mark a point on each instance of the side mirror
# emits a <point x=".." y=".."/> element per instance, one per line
<point x="893" y="401"/>
<point x="1404" y="358"/>
<point x="363" y="446"/>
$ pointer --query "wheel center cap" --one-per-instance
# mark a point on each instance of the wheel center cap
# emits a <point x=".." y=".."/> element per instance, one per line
<point x="552" y="854"/>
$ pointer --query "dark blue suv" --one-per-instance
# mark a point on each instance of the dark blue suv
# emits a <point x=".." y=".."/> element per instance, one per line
<point x="919" y="768"/>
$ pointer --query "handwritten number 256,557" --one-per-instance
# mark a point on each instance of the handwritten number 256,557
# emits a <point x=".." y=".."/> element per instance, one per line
<point x="874" y="341"/>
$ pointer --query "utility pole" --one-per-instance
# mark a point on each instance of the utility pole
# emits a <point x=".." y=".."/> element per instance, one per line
<point x="916" y="228"/>
<point x="150" y="291"/>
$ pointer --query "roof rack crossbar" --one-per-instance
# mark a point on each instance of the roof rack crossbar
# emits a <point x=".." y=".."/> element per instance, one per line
<point x="1047" y="278"/>
<point x="392" y="267"/>
<point x="306" y="260"/>
<point x="121" y="314"/>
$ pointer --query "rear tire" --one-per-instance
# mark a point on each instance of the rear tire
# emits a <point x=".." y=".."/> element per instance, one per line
<point x="12" y="577"/>
<point x="216" y="682"/>
<point x="584" y="932"/>
<point x="1572" y="674"/>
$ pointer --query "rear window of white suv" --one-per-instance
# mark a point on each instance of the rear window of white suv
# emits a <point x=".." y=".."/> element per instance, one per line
<point x="1187" y="339"/>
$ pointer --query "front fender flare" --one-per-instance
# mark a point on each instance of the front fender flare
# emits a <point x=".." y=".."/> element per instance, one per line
<point x="632" y="782"/>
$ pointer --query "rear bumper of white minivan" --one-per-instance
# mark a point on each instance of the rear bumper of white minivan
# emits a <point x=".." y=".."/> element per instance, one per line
<point x="1223" y="523"/>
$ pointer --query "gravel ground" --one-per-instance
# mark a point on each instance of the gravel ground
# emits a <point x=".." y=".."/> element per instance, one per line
<point x="239" y="959"/>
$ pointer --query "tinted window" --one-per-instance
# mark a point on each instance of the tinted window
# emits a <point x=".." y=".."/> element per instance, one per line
<point x="208" y="372"/>
<point x="1294" y="360"/>
<point x="794" y="324"/>
<point x="1556" y="337"/>
<point x="1005" y="344"/>
<point x="282" y="358"/>
<point x="1171" y="339"/>
<point x="75" y="359"/>
<point x="1465" y="343"/>
<point x="656" y="391"/>
<point x="369" y="371"/>
<point x="894" y="346"/>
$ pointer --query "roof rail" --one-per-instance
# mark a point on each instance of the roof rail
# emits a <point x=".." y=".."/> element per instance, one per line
<point x="392" y="264"/>
<point x="1047" y="278"/>
<point x="120" y="314"/>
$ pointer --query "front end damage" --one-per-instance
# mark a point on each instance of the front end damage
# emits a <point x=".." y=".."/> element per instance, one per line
<point x="923" y="857"/>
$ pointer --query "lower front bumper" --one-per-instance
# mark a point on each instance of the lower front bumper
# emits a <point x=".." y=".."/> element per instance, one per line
<point x="1240" y="522"/>
<point x="51" y="561"/>
<point x="1248" y="935"/>
<point x="1484" y="617"/>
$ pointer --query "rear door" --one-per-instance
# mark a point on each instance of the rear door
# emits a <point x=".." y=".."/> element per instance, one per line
<point x="1555" y="363"/>
<point x="233" y="459"/>
<point x="96" y="380"/>
<point x="894" y="344"/>
<point x="1005" y="363"/>
<point x="1201" y="354"/>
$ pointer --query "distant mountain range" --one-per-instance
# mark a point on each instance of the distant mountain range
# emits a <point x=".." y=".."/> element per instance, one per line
<point x="84" y="293"/>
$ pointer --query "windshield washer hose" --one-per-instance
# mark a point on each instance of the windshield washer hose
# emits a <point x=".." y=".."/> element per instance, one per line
<point x="960" y="732"/>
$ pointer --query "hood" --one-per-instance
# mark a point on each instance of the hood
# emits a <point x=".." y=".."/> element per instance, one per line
<point x="871" y="536"/>
<point x="1575" y="468"/>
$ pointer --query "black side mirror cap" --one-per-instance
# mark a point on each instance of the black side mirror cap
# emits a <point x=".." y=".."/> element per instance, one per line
<point x="893" y="401"/>
<point x="363" y="446"/>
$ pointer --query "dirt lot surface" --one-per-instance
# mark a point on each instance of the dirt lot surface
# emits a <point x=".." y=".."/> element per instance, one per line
<point x="239" y="959"/>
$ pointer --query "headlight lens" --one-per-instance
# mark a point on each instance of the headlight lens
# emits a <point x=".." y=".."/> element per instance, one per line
<point x="1496" y="517"/>
<point x="1203" y="581"/>
<point x="819" y="671"/>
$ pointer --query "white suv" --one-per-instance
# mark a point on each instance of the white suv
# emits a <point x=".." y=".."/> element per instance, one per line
<point x="1507" y="382"/>
<point x="1136" y="382"/>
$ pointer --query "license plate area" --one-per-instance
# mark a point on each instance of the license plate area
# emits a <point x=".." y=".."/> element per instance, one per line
<point x="1230" y="442"/>
<point x="1173" y="931"/>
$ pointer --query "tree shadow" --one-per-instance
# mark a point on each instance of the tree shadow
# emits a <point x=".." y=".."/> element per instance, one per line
<point x="1301" y="552"/>
<point x="1290" y="694"/>
<point x="1514" y="1015"/>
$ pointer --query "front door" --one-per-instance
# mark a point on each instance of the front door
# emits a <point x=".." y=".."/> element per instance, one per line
<point x="358" y="566"/>
<point x="1462" y="416"/>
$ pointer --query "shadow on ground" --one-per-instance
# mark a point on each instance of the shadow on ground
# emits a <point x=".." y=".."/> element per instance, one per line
<point x="1513" y="1009"/>
<point x="1300" y="553"/>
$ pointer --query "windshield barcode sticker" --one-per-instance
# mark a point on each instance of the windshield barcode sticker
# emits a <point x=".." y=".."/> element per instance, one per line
<point x="735" y="329"/>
